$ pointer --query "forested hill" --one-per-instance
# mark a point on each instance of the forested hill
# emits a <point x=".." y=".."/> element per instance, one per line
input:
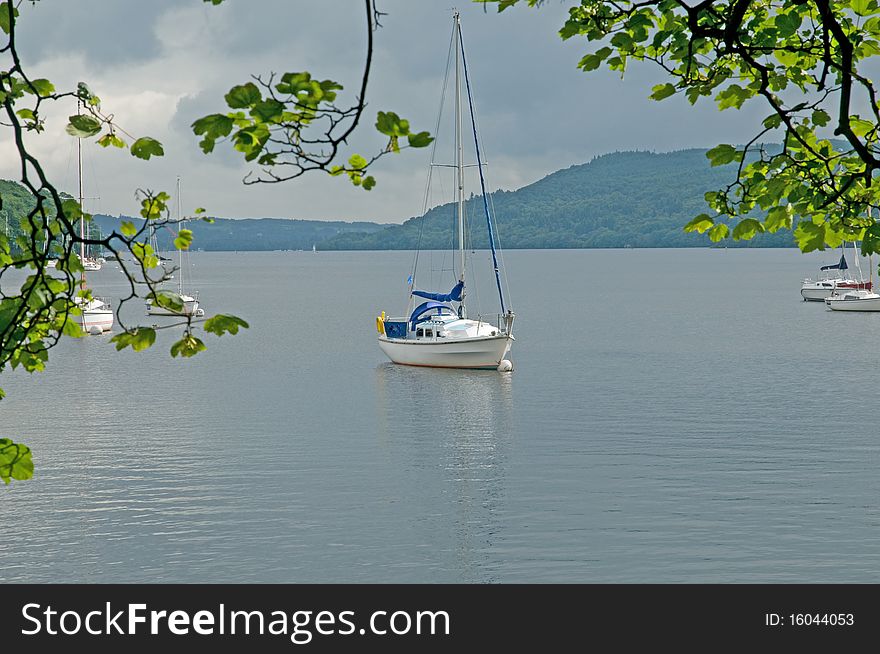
<point x="252" y="233"/>
<point x="222" y="234"/>
<point x="624" y="199"/>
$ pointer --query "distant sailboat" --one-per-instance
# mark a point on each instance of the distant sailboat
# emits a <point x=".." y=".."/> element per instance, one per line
<point x="97" y="313"/>
<point x="190" y="299"/>
<point x="836" y="282"/>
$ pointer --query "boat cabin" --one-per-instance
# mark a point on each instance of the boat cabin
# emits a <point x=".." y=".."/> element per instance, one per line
<point x="429" y="320"/>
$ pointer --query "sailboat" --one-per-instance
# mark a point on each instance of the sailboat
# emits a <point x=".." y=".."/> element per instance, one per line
<point x="860" y="299"/>
<point x="97" y="313"/>
<point x="190" y="302"/>
<point x="438" y="331"/>
<point x="838" y="282"/>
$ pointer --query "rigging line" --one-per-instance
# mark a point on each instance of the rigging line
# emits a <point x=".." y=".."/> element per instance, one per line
<point x="431" y="167"/>
<point x="498" y="241"/>
<point x="494" y="214"/>
<point x="475" y="275"/>
<point x="858" y="263"/>
<point x="500" y="250"/>
<point x="467" y="83"/>
<point x="90" y="162"/>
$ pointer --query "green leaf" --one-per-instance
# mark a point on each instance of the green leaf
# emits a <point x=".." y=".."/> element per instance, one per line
<point x="268" y="110"/>
<point x="43" y="87"/>
<point x="700" y="224"/>
<point x="787" y="23"/>
<point x="718" y="232"/>
<point x="214" y="126"/>
<point x="4" y="16"/>
<point x="833" y="237"/>
<point x="243" y="96"/>
<point x="594" y="60"/>
<point x="357" y="162"/>
<point x="369" y="182"/>
<point x="810" y="236"/>
<point x="83" y="126"/>
<point x="662" y="91"/>
<point x="146" y="147"/>
<point x="722" y="154"/>
<point x="871" y="240"/>
<point x="786" y="58"/>
<point x="223" y="324"/>
<point x="138" y="339"/>
<point x="390" y="123"/>
<point x="127" y="228"/>
<point x="733" y="96"/>
<point x="820" y="118"/>
<point x="746" y="229"/>
<point x="71" y="210"/>
<point x="15" y="458"/>
<point x="420" y="140"/>
<point x="772" y="121"/>
<point x="184" y="239"/>
<point x="778" y="218"/>
<point x="111" y="139"/>
<point x="863" y="7"/>
<point x="187" y="346"/>
<point x="859" y="126"/>
<point x="168" y="300"/>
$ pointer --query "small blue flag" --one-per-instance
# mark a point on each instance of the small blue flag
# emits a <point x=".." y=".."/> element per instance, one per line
<point x="409" y="280"/>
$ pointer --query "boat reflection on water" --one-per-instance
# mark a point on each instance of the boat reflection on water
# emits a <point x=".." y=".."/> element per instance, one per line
<point x="448" y="432"/>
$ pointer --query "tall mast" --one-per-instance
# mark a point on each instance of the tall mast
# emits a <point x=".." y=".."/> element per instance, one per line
<point x="459" y="158"/>
<point x="480" y="169"/>
<point x="82" y="219"/>
<point x="179" y="252"/>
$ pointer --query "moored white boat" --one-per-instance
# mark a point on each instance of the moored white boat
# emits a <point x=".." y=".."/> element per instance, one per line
<point x="858" y="300"/>
<point x="190" y="302"/>
<point x="818" y="290"/>
<point x="439" y="333"/>
<point x="91" y="265"/>
<point x="96" y="313"/>
<point x="830" y="283"/>
<point x="190" y="307"/>
<point x="435" y="336"/>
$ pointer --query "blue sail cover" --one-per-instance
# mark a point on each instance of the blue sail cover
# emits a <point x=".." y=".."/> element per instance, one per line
<point x="424" y="308"/>
<point x="840" y="265"/>
<point x="452" y="296"/>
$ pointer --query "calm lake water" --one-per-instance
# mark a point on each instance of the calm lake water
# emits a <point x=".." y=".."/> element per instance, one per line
<point x="674" y="416"/>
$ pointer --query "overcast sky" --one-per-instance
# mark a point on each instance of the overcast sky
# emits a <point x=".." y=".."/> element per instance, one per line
<point x="159" y="65"/>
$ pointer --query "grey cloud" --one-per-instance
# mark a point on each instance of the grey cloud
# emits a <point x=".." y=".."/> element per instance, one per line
<point x="109" y="32"/>
<point x="537" y="112"/>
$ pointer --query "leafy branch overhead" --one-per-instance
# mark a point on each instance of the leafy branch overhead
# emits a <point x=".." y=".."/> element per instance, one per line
<point x="805" y="60"/>
<point x="290" y="124"/>
<point x="42" y="225"/>
<point x="287" y="125"/>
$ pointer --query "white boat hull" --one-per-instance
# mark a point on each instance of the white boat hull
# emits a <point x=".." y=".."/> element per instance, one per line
<point x="190" y="308"/>
<point x="820" y="290"/>
<point x="96" y="318"/>
<point x="484" y="352"/>
<point x="854" y="304"/>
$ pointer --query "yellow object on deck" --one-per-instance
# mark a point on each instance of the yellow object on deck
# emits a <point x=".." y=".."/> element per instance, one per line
<point x="380" y="323"/>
